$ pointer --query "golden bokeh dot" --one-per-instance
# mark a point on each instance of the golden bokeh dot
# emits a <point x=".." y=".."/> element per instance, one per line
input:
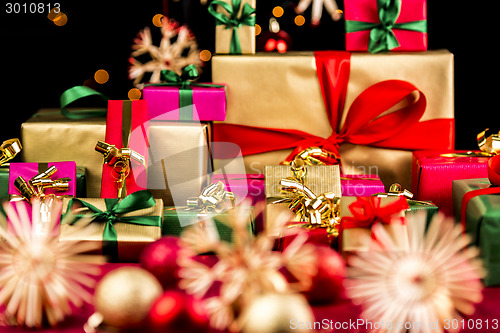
<point x="60" y="19"/>
<point x="278" y="11"/>
<point x="205" y="55"/>
<point x="157" y="20"/>
<point x="54" y="12"/>
<point x="299" y="20"/>
<point x="134" y="94"/>
<point x="258" y="29"/>
<point x="101" y="76"/>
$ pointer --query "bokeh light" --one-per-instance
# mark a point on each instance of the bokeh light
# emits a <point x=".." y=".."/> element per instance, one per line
<point x="299" y="20"/>
<point x="278" y="11"/>
<point x="157" y="20"/>
<point x="270" y="45"/>
<point x="101" y="76"/>
<point x="134" y="94"/>
<point x="60" y="19"/>
<point x="281" y="46"/>
<point x="258" y="29"/>
<point x="205" y="55"/>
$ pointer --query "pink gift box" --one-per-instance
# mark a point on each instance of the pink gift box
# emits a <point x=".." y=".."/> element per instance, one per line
<point x="209" y="104"/>
<point x="361" y="185"/>
<point x="433" y="174"/>
<point x="28" y="170"/>
<point x="367" y="11"/>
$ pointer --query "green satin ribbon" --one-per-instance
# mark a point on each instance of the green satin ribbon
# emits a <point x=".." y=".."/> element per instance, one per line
<point x="77" y="93"/>
<point x="382" y="37"/>
<point x="115" y="208"/>
<point x="184" y="82"/>
<point x="233" y="21"/>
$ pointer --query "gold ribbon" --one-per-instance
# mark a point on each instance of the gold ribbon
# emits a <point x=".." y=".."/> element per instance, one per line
<point x="213" y="199"/>
<point x="315" y="156"/>
<point x="398" y="190"/>
<point x="35" y="187"/>
<point x="489" y="146"/>
<point x="9" y="149"/>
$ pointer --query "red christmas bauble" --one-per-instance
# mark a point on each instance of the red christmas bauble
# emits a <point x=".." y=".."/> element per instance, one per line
<point x="175" y="311"/>
<point x="160" y="259"/>
<point x="327" y="284"/>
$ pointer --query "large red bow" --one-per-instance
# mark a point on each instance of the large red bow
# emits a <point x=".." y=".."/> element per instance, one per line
<point x="370" y="119"/>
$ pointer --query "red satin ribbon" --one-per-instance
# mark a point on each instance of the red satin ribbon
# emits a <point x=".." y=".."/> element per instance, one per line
<point x="494" y="177"/>
<point x="367" y="121"/>
<point x="366" y="211"/>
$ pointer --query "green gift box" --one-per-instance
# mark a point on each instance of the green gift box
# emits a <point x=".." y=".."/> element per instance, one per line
<point x="176" y="220"/>
<point x="429" y="207"/>
<point x="482" y="223"/>
<point x="81" y="187"/>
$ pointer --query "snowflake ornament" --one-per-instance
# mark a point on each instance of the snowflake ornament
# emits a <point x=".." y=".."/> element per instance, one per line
<point x="419" y="289"/>
<point x="177" y="49"/>
<point x="317" y="9"/>
<point x="41" y="278"/>
<point x="245" y="268"/>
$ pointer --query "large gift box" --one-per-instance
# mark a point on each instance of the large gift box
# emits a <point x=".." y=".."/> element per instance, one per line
<point x="279" y="105"/>
<point x="384" y="25"/>
<point x="180" y="99"/>
<point x="177" y="165"/>
<point x="479" y="216"/>
<point x="50" y="136"/>
<point x="123" y="227"/>
<point x="284" y="190"/>
<point x="234" y="26"/>
<point x="434" y="171"/>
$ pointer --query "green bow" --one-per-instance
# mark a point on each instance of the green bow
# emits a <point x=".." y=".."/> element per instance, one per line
<point x="115" y="209"/>
<point x="382" y="37"/>
<point x="184" y="82"/>
<point x="233" y="21"/>
<point x="76" y="93"/>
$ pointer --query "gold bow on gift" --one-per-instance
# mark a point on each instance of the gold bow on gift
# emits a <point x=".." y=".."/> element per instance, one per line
<point x="9" y="149"/>
<point x="490" y="144"/>
<point x="35" y="187"/>
<point x="317" y="210"/>
<point x="398" y="190"/>
<point x="315" y="156"/>
<point x="213" y="199"/>
<point x="119" y="159"/>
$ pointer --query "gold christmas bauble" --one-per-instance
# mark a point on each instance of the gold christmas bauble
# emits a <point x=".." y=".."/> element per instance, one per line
<point x="277" y="313"/>
<point x="124" y="296"/>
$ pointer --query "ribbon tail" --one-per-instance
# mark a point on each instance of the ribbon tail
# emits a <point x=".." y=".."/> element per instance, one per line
<point x="110" y="242"/>
<point x="77" y="93"/>
<point x="235" y="47"/>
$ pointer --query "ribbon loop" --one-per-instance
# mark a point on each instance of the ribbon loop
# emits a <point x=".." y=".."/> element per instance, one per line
<point x="213" y="199"/>
<point x="366" y="211"/>
<point x="9" y="149"/>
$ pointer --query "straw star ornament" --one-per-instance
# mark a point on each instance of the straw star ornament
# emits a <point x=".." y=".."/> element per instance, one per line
<point x="317" y="9"/>
<point x="40" y="277"/>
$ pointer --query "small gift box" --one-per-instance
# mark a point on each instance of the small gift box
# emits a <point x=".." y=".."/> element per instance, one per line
<point x="434" y="171"/>
<point x="384" y="25"/>
<point x="179" y="98"/>
<point x="359" y="214"/>
<point x="123" y="227"/>
<point x="234" y="26"/>
<point x="299" y="189"/>
<point x="361" y="185"/>
<point x="58" y="178"/>
<point x="476" y="203"/>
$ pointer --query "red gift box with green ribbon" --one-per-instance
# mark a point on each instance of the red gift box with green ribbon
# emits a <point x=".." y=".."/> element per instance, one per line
<point x="386" y="25"/>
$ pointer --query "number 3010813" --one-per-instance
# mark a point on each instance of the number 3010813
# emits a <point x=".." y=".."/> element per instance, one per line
<point x="32" y="8"/>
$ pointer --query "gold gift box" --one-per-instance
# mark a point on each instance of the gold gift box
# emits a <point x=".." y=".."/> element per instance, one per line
<point x="131" y="238"/>
<point x="178" y="162"/>
<point x="358" y="239"/>
<point x="246" y="34"/>
<point x="282" y="91"/>
<point x="319" y="179"/>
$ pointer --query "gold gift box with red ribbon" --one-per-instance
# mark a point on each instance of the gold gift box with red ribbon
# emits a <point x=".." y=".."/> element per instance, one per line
<point x="373" y="109"/>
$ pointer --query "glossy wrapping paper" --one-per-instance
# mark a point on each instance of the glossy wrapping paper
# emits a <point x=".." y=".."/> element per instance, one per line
<point x="131" y="238"/>
<point x="163" y="103"/>
<point x="433" y="175"/>
<point x="283" y="91"/>
<point x="482" y="223"/>
<point x="361" y="185"/>
<point x="49" y="136"/>
<point x="319" y="179"/>
<point x="366" y="11"/>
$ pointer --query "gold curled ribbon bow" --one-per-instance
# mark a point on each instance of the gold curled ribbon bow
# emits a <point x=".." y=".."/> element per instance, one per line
<point x="398" y="190"/>
<point x="9" y="149"/>
<point x="213" y="199"/>
<point x="119" y="159"/>
<point x="35" y="187"/>
<point x="488" y="146"/>
<point x="316" y="156"/>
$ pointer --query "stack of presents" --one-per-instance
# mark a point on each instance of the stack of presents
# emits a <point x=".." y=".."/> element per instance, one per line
<point x="375" y="120"/>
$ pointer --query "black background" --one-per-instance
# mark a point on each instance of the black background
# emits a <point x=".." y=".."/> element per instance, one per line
<point x="40" y="60"/>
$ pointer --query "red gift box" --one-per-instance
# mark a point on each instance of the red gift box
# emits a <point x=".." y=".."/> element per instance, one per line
<point x="434" y="171"/>
<point x="404" y="27"/>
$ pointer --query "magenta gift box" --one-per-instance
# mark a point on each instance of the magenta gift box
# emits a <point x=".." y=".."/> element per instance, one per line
<point x="209" y="103"/>
<point x="433" y="173"/>
<point x="361" y="185"/>
<point x="27" y="170"/>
